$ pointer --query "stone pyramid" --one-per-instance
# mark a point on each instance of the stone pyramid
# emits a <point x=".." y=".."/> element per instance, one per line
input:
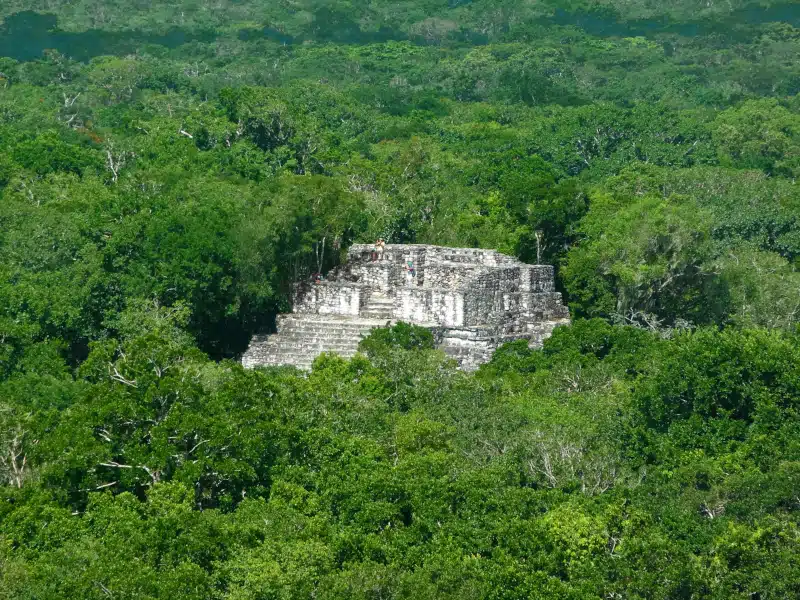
<point x="472" y="300"/>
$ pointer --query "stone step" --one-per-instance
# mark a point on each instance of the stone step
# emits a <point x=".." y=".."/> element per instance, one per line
<point x="297" y="360"/>
<point x="321" y="338"/>
<point x="307" y="354"/>
<point x="377" y="314"/>
<point x="456" y="350"/>
<point x="321" y="325"/>
<point x="324" y="318"/>
<point x="301" y="360"/>
<point x="291" y="357"/>
<point x="466" y="347"/>
<point x="297" y="338"/>
<point x="312" y="331"/>
<point x="304" y="349"/>
<point x="328" y="325"/>
<point x="468" y="335"/>
<point x="284" y="330"/>
<point x="326" y="334"/>
<point x="309" y="351"/>
<point x="308" y="345"/>
<point x="324" y="330"/>
<point x="377" y="307"/>
<point x="448" y="349"/>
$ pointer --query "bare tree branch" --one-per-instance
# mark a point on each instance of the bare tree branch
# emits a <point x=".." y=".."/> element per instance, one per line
<point x="116" y="376"/>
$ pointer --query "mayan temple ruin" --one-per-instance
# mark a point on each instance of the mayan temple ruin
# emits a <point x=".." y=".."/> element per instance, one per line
<point x="472" y="300"/>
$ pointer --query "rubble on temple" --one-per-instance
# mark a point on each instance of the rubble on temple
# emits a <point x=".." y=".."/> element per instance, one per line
<point x="472" y="300"/>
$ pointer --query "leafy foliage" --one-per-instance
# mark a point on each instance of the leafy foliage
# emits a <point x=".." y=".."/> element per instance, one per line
<point x="169" y="170"/>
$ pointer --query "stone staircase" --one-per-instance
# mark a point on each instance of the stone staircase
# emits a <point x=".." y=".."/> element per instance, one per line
<point x="379" y="306"/>
<point x="303" y="337"/>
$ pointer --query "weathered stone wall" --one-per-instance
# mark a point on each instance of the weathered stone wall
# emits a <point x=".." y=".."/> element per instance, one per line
<point x="390" y="270"/>
<point x="470" y="347"/>
<point x="379" y="275"/>
<point x="492" y="288"/>
<point x="451" y="275"/>
<point x="331" y="299"/>
<point x="488" y="295"/>
<point x="487" y="258"/>
<point x="544" y="306"/>
<point x="422" y="254"/>
<point x="429" y="306"/>
<point x="538" y="278"/>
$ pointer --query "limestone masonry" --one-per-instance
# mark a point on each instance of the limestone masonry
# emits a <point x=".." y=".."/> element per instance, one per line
<point x="472" y="300"/>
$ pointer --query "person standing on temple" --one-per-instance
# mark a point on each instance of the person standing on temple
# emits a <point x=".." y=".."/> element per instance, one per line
<point x="380" y="246"/>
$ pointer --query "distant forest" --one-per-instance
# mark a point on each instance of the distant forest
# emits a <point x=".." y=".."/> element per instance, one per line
<point x="169" y="169"/>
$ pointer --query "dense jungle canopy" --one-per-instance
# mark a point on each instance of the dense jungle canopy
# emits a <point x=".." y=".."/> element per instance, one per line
<point x="168" y="169"/>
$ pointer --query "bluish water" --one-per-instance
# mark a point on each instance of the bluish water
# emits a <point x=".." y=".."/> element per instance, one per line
<point x="334" y="27"/>
<point x="606" y="23"/>
<point x="25" y="35"/>
<point x="328" y="26"/>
